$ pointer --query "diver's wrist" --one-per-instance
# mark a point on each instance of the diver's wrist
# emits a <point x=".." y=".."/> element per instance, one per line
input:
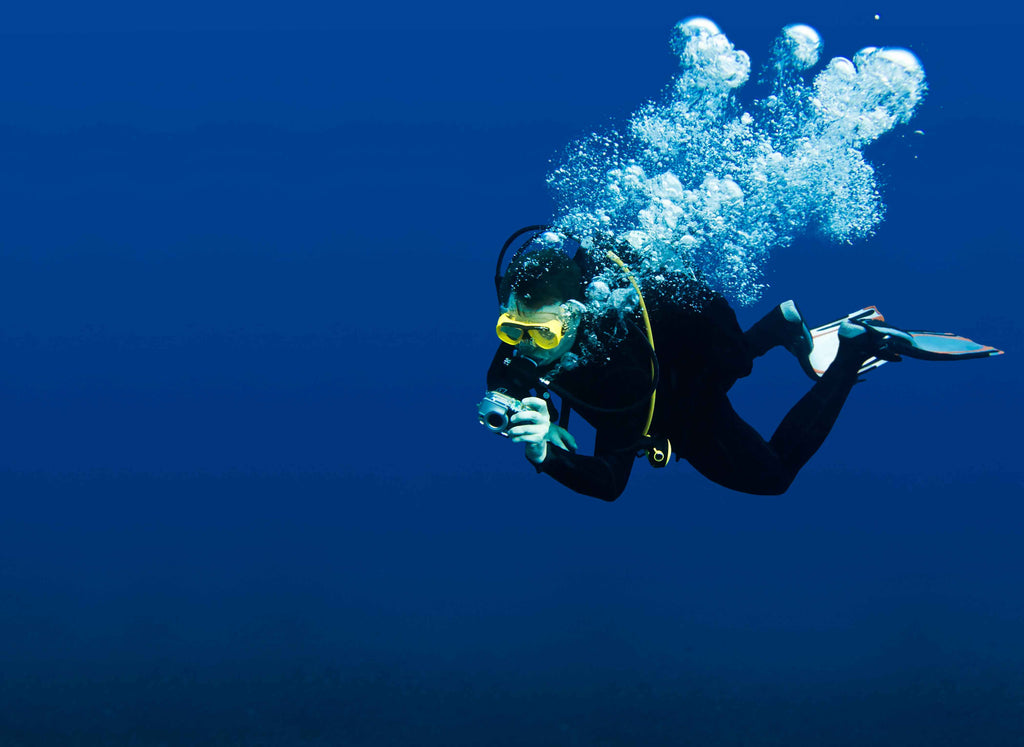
<point x="536" y="453"/>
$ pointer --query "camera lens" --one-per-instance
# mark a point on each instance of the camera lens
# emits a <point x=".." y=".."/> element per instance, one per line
<point x="496" y="421"/>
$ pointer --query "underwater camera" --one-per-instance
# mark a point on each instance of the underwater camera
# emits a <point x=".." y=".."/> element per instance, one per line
<point x="495" y="410"/>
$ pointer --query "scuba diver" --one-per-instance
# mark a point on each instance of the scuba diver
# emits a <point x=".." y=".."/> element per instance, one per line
<point x="671" y="398"/>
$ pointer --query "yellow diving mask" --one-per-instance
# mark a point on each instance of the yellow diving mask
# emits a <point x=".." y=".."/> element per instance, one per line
<point x="545" y="335"/>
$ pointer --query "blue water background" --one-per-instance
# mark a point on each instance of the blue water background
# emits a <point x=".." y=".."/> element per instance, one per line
<point x="247" y="306"/>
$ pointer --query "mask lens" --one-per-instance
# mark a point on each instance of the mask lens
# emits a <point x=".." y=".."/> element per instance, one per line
<point x="544" y="337"/>
<point x="510" y="333"/>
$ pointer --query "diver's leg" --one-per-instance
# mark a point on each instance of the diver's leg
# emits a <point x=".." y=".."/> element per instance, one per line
<point x="806" y="426"/>
<point x="706" y="344"/>
<point x="726" y="449"/>
<point x="782" y="326"/>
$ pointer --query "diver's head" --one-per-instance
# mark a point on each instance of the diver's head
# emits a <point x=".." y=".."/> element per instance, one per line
<point x="540" y="277"/>
<point x="540" y="295"/>
<point x="541" y="333"/>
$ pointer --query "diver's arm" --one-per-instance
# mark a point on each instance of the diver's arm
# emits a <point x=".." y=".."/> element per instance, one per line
<point x="603" y="475"/>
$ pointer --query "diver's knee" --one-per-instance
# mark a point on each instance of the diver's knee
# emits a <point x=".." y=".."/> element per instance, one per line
<point x="770" y="483"/>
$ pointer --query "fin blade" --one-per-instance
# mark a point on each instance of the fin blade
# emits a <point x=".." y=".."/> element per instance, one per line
<point x="944" y="346"/>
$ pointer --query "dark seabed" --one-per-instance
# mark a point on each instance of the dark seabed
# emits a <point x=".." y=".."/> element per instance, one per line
<point x="247" y="257"/>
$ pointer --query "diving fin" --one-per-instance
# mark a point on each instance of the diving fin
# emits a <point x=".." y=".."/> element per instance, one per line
<point x="921" y="344"/>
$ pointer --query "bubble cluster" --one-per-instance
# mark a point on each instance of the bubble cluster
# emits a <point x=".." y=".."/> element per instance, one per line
<point x="697" y="184"/>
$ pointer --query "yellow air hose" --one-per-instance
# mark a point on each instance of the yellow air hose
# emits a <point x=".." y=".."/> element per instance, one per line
<point x="657" y="456"/>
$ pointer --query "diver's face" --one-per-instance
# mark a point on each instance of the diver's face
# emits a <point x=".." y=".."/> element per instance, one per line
<point x="540" y="314"/>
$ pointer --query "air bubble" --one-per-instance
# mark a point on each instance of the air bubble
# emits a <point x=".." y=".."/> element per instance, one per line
<point x="699" y="184"/>
<point x="798" y="47"/>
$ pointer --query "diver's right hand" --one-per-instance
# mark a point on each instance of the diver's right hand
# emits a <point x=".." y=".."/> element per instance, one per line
<point x="530" y="426"/>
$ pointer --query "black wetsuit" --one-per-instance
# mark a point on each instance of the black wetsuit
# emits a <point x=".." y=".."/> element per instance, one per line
<point x="701" y="355"/>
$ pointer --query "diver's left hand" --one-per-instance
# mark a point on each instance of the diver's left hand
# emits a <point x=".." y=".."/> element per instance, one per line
<point x="561" y="438"/>
<point x="530" y="426"/>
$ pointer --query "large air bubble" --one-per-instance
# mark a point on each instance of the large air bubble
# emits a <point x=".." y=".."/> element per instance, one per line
<point x="797" y="48"/>
<point x="707" y="58"/>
